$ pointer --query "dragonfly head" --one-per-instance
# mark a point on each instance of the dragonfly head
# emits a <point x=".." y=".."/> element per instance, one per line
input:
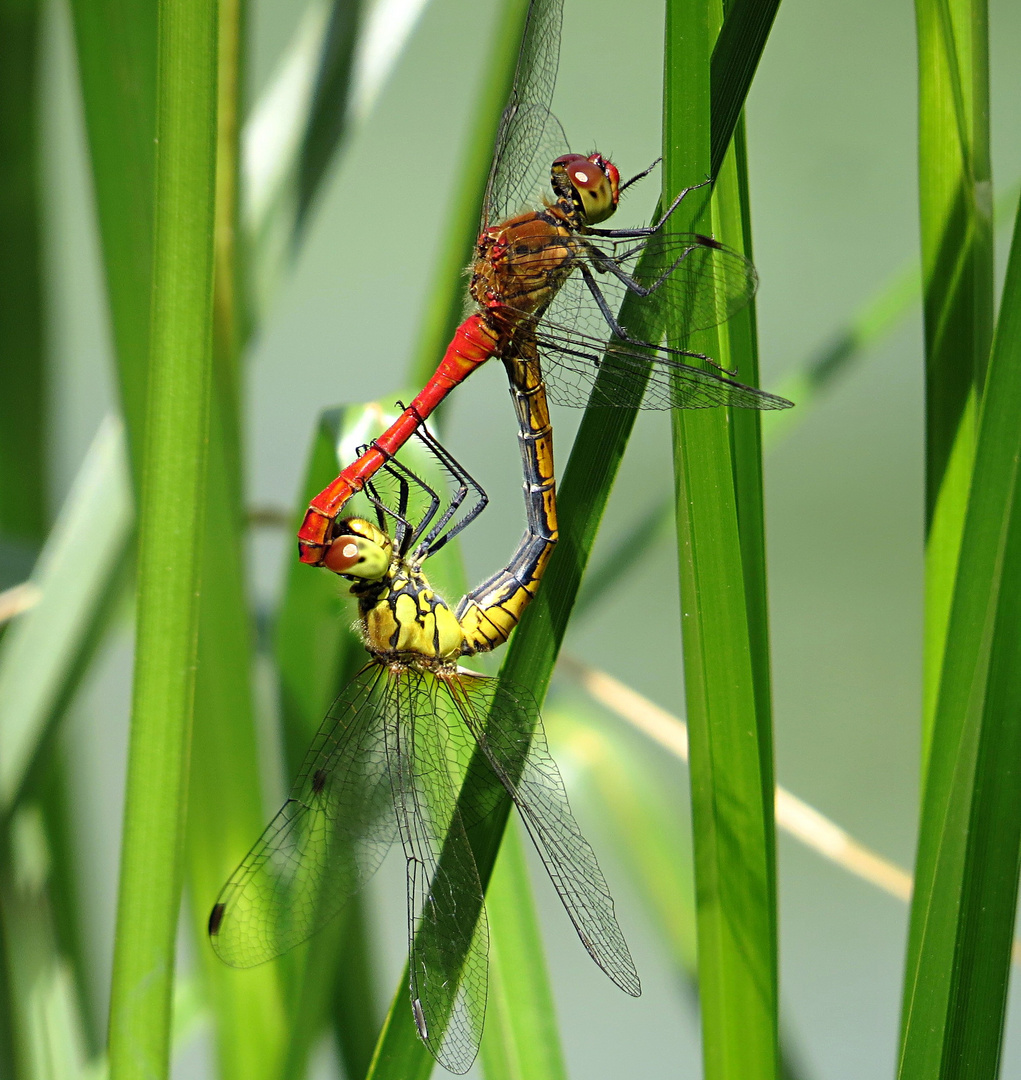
<point x="360" y="550"/>
<point x="591" y="183"/>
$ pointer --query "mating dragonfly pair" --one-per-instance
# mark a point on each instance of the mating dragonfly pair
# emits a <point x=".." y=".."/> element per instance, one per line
<point x="418" y="748"/>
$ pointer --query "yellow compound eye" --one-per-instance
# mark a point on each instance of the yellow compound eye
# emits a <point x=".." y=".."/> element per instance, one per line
<point x="354" y="556"/>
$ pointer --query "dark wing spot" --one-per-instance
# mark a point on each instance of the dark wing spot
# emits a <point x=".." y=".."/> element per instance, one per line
<point x="215" y="918"/>
<point x="708" y="241"/>
<point x="318" y="780"/>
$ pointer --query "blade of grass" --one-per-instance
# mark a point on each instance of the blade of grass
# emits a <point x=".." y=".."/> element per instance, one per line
<point x="23" y="445"/>
<point x="955" y="194"/>
<point x="170" y="526"/>
<point x="724" y="638"/>
<point x="328" y="79"/>
<point x="736" y="54"/>
<point x="962" y="915"/>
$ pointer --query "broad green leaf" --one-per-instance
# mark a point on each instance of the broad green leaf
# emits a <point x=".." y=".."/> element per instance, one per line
<point x="719" y="528"/>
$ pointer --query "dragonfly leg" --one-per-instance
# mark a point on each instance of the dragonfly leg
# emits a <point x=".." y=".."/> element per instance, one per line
<point x="465" y="484"/>
<point x="407" y="533"/>
<point x="649" y="230"/>
<point x="638" y="176"/>
<point x="610" y="265"/>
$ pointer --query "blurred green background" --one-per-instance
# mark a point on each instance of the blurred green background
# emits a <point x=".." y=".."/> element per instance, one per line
<point x="832" y="152"/>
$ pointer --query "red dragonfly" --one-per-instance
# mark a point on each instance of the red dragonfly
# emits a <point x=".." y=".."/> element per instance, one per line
<point x="548" y="279"/>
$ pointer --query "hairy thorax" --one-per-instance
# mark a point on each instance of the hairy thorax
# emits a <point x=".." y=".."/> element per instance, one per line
<point x="407" y="622"/>
<point x="523" y="261"/>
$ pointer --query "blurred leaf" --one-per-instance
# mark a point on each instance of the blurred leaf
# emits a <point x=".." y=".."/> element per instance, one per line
<point x="48" y="1035"/>
<point x="962" y="915"/>
<point x="225" y="808"/>
<point x="44" y="653"/>
<point x="24" y="449"/>
<point x="327" y="80"/>
<point x="116" y="52"/>
<point x="955" y="195"/>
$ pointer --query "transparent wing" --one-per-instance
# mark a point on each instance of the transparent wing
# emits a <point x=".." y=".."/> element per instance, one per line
<point x="506" y="725"/>
<point x="528" y="138"/>
<point x="693" y="280"/>
<point x="449" y="937"/>
<point x="653" y="377"/>
<point x="325" y="842"/>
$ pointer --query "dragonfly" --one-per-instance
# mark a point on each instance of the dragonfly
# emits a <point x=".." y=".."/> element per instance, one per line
<point x="388" y="760"/>
<point x="550" y="279"/>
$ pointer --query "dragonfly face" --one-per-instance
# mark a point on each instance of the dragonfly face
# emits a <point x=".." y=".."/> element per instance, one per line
<point x="360" y="551"/>
<point x="591" y="184"/>
<point x="402" y="617"/>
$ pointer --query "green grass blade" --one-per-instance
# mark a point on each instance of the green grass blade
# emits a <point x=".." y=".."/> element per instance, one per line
<point x="725" y="660"/>
<point x="170" y="528"/>
<point x="736" y="55"/>
<point x="962" y="914"/>
<point x="24" y="451"/>
<point x="299" y="123"/>
<point x="44" y="653"/>
<point x="328" y="113"/>
<point x="955" y="193"/>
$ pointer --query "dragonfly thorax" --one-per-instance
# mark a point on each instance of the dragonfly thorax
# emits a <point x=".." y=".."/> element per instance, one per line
<point x="521" y="263"/>
<point x="406" y="621"/>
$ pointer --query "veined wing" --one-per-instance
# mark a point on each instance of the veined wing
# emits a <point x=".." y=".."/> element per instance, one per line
<point x="653" y="377"/>
<point x="325" y="842"/>
<point x="529" y="137"/>
<point x="449" y="936"/>
<point x="507" y="727"/>
<point x="698" y="280"/>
